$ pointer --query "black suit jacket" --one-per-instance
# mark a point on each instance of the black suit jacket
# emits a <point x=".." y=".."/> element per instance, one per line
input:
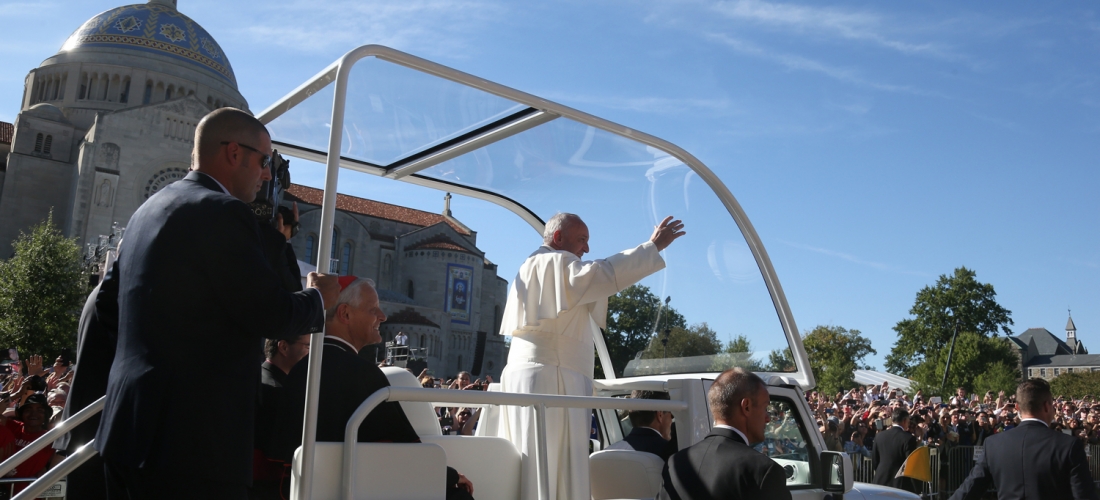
<point x="95" y="351"/>
<point x="1031" y="461"/>
<point x="722" y="466"/>
<point x="346" y="381"/>
<point x="196" y="295"/>
<point x="649" y="441"/>
<point x="892" y="447"/>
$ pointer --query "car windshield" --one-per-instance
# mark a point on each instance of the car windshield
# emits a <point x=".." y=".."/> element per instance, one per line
<point x="686" y="318"/>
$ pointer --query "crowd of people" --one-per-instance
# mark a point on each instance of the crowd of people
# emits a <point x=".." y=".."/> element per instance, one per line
<point x="32" y="400"/>
<point x="850" y="420"/>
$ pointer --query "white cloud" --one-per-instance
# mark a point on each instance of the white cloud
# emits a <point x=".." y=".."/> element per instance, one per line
<point x="854" y="259"/>
<point x="432" y="27"/>
<point x="800" y="63"/>
<point x="645" y="104"/>
<point x="846" y="24"/>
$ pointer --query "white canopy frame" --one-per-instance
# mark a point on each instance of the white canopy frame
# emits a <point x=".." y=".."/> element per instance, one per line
<point x="338" y="73"/>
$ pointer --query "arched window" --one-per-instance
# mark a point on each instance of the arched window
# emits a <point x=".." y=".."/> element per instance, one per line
<point x="148" y="96"/>
<point x="46" y="146"/>
<point x="105" y="86"/>
<point x="333" y="266"/>
<point x="64" y="83"/>
<point x="124" y="97"/>
<point x="459" y="363"/>
<point x="311" y="247"/>
<point x="345" y="259"/>
<point x="38" y="143"/>
<point x="409" y="289"/>
<point x="83" y="86"/>
<point x="168" y="92"/>
<point x="55" y="83"/>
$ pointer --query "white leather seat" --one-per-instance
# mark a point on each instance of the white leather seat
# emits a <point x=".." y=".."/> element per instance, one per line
<point x="493" y="464"/>
<point x="382" y="470"/>
<point x="421" y="415"/>
<point x="625" y="474"/>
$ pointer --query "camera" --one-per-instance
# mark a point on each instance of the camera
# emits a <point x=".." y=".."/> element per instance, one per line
<point x="266" y="204"/>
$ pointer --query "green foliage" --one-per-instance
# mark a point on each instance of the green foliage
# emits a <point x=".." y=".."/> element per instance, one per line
<point x="1076" y="385"/>
<point x="631" y="315"/>
<point x="42" y="289"/>
<point x="957" y="302"/>
<point x="696" y="340"/>
<point x="780" y="360"/>
<point x="835" y="353"/>
<point x="979" y="364"/>
<point x="738" y="352"/>
<point x="739" y="344"/>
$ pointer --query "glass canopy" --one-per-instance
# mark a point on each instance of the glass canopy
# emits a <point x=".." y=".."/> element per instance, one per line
<point x="408" y="125"/>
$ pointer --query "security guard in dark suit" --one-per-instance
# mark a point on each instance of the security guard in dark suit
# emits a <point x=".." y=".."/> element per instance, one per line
<point x="892" y="447"/>
<point x="1031" y="461"/>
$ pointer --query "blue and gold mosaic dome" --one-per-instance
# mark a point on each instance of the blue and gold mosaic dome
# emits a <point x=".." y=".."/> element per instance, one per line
<point x="155" y="28"/>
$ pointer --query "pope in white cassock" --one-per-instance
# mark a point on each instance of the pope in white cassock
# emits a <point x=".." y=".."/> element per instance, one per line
<point x="556" y="308"/>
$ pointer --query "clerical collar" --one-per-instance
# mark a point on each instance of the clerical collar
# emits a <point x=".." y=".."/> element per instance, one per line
<point x="734" y="429"/>
<point x="224" y="190"/>
<point x="342" y="341"/>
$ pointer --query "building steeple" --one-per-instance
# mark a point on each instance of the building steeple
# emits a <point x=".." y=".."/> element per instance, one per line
<point x="1071" y="334"/>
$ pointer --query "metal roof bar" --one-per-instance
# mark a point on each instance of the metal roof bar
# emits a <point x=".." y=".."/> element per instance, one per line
<point x="476" y="142"/>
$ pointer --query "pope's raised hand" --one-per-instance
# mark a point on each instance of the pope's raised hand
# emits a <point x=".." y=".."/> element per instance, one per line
<point x="666" y="232"/>
<point x="327" y="284"/>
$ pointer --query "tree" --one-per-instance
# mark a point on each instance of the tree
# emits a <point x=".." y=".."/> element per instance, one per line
<point x="835" y="354"/>
<point x="1075" y="385"/>
<point x="738" y="352"/>
<point x="696" y="340"/>
<point x="631" y="320"/>
<point x="42" y="288"/>
<point x="980" y="364"/>
<point x="956" y="303"/>
<point x="780" y="360"/>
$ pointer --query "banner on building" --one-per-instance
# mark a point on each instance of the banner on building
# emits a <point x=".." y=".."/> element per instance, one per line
<point x="459" y="295"/>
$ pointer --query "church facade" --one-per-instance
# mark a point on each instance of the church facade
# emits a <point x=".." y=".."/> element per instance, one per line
<point x="110" y="119"/>
<point x="1044" y="355"/>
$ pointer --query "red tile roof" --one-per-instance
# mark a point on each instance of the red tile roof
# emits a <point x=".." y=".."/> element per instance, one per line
<point x="408" y="316"/>
<point x="7" y="130"/>
<point x="439" y="242"/>
<point x="304" y="194"/>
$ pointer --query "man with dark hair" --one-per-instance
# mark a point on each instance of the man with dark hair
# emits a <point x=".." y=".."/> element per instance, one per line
<point x="1031" y="460"/>
<point x="652" y="430"/>
<point x="724" y="464"/>
<point x="196" y="295"/>
<point x="892" y="447"/>
<point x="281" y="356"/>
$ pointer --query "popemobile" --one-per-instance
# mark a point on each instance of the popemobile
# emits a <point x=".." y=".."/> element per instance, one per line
<point x="401" y="118"/>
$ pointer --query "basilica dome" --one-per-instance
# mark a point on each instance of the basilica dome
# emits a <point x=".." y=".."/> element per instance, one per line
<point x="155" y="28"/>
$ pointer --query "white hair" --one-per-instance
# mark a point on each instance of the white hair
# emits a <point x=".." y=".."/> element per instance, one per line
<point x="350" y="295"/>
<point x="562" y="221"/>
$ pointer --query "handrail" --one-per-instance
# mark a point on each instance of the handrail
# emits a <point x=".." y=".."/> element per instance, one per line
<point x="48" y="438"/>
<point x="58" y="472"/>
<point x="539" y="401"/>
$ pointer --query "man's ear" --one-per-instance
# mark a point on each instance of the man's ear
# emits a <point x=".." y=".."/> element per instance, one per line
<point x="283" y="347"/>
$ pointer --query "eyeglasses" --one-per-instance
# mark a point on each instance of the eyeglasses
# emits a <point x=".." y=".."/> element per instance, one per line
<point x="265" y="163"/>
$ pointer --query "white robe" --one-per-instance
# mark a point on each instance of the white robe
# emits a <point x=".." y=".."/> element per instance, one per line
<point x="556" y="307"/>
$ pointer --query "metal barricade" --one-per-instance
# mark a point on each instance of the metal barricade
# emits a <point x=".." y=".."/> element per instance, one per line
<point x="865" y="472"/>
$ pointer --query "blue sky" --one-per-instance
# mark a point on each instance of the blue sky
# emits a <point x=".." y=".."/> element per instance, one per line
<point x="875" y="146"/>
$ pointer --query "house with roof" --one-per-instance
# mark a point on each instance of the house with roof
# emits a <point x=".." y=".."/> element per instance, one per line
<point x="434" y="283"/>
<point x="1046" y="356"/>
